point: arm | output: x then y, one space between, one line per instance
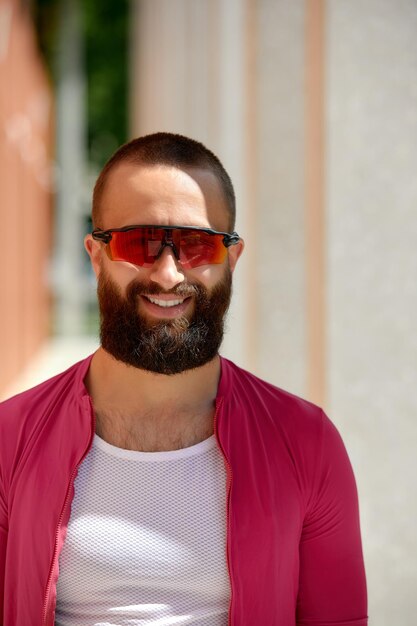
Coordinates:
332 585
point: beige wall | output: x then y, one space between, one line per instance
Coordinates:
371 172
312 106
25 137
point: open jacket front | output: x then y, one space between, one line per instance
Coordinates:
293 539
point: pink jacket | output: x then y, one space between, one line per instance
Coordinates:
293 538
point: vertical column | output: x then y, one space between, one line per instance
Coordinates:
251 153
71 138
314 200
279 210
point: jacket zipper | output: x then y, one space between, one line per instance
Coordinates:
228 491
58 529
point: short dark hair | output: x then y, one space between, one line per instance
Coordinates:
166 149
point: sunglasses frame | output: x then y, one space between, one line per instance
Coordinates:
229 239
105 236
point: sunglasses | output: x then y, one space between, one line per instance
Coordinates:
143 245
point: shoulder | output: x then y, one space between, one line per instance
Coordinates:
262 397
26 415
288 426
277 413
28 419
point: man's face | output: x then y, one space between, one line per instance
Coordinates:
136 325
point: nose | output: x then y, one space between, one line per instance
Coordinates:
165 271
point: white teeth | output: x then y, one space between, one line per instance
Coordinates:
165 303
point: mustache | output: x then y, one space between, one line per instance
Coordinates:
139 288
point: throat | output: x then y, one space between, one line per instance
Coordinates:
154 433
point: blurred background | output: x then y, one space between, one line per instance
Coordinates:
312 107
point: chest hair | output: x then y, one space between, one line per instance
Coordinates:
154 432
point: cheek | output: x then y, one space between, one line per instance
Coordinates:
122 272
207 275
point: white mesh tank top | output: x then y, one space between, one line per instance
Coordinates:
146 540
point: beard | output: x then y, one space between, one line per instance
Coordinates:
162 346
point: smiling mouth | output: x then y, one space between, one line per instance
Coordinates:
165 303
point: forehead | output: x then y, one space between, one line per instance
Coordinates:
138 194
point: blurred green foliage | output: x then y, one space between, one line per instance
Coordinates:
106 33
105 30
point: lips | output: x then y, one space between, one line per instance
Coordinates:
165 306
165 303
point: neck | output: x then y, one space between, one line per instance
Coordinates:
129 399
116 384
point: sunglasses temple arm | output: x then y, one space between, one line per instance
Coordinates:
103 236
231 240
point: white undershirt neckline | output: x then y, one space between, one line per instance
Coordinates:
149 457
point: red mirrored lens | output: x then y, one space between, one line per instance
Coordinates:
141 246
200 248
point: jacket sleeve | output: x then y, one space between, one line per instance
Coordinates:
332 584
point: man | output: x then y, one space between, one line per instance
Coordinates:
156 482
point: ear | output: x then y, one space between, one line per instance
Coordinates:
234 253
94 252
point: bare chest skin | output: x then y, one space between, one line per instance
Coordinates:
171 429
